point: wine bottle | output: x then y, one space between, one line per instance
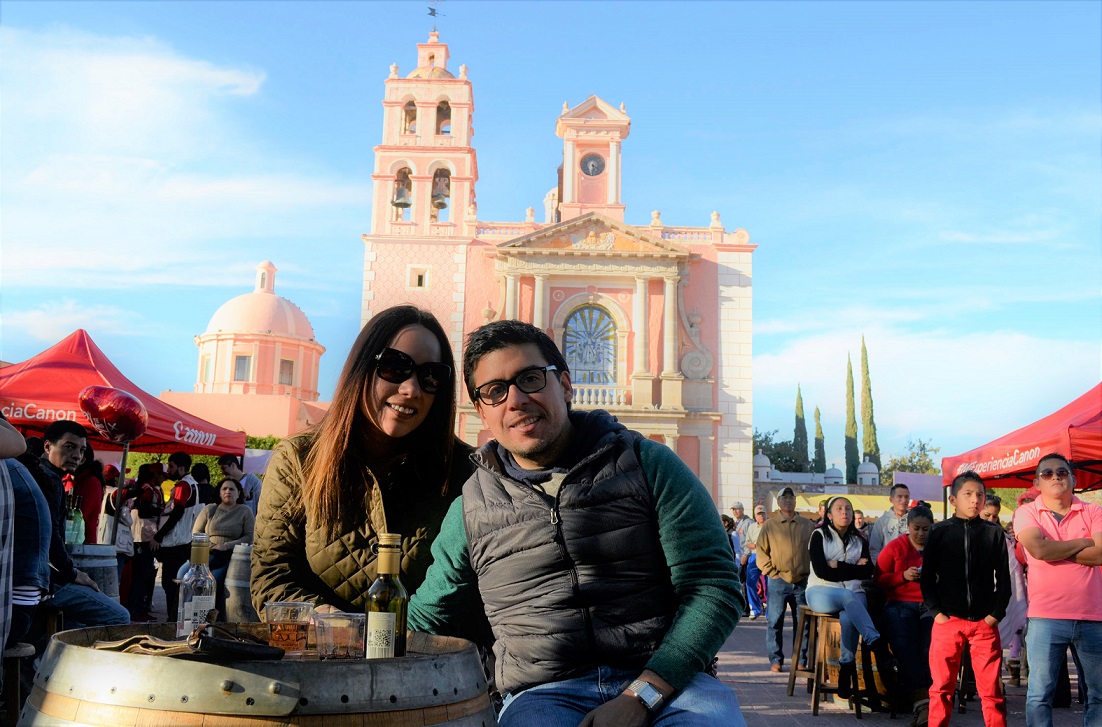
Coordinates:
387 601
197 588
78 521
70 520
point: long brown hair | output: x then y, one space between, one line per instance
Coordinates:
336 465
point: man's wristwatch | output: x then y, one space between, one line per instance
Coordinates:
650 697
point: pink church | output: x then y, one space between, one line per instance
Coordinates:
655 320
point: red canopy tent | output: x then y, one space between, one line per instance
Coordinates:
1074 431
45 388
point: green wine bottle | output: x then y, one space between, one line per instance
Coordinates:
387 601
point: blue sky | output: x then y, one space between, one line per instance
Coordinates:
926 174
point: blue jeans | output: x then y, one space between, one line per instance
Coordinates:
908 624
705 702
753 575
852 614
84 607
1047 641
779 593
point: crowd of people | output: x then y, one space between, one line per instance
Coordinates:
930 598
584 559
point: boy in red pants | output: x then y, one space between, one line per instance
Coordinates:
966 585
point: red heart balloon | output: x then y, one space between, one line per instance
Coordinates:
117 415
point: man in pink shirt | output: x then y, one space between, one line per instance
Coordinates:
1062 537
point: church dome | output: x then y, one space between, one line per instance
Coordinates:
833 472
430 72
760 460
867 468
262 311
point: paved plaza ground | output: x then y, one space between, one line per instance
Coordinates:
743 666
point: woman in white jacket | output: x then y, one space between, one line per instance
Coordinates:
839 562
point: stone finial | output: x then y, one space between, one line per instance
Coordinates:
463 71
529 215
488 314
715 220
623 110
656 218
472 212
565 107
393 70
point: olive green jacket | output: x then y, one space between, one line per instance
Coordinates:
297 559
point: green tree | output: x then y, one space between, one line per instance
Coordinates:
799 437
852 457
918 458
868 425
819 464
781 454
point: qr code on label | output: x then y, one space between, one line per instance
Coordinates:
380 639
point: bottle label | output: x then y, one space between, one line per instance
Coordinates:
194 613
380 634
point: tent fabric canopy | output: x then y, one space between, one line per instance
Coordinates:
1074 431
46 388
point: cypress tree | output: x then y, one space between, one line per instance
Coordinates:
868 425
799 437
852 458
820 462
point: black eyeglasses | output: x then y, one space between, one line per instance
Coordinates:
396 367
529 381
1061 473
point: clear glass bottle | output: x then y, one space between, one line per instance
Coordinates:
197 588
387 601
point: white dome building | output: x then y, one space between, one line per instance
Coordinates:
867 473
259 343
258 365
834 476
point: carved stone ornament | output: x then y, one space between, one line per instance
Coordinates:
393 70
463 71
696 364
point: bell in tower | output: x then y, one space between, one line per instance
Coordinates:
401 189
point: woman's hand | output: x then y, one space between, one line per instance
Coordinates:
941 618
912 574
863 561
832 563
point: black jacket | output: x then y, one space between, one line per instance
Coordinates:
965 571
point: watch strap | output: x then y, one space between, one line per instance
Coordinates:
647 695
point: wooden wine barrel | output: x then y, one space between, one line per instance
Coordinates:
440 682
239 607
99 562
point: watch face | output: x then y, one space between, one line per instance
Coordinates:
592 165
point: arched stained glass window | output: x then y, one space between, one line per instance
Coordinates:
589 344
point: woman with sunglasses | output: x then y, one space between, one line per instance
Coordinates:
383 459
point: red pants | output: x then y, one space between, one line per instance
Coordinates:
947 643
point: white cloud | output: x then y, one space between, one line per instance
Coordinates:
122 156
940 386
55 320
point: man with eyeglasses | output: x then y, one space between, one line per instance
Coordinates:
1062 537
596 554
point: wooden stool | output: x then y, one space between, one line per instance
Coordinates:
809 621
13 693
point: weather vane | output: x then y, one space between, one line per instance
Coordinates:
434 11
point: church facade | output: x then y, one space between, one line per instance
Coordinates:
655 320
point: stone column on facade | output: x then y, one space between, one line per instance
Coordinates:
510 296
672 381
568 173
671 442
706 471
539 314
642 380
614 172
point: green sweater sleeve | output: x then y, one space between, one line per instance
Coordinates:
701 567
448 602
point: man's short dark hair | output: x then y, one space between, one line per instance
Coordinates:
896 486
181 460
503 334
59 429
226 459
966 476
1054 455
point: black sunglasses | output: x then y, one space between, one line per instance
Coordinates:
396 367
1060 473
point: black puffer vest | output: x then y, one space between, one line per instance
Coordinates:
576 584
